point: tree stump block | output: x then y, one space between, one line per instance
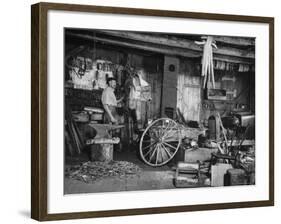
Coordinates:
102 152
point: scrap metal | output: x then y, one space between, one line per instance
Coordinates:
93 171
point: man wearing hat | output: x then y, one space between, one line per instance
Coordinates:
110 102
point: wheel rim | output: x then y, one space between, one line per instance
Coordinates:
160 142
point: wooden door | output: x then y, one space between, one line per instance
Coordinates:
189 97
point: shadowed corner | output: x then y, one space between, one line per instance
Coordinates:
25 213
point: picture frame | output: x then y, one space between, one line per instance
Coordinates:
40 102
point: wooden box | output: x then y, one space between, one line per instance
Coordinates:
236 177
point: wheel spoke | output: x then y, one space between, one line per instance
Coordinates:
153 153
148 146
157 153
149 151
161 153
166 150
164 155
149 141
169 145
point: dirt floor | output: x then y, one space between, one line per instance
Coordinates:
149 178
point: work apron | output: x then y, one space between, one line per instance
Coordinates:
107 119
116 133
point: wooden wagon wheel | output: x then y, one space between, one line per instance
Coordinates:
160 142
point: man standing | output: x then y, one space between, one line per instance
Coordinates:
110 102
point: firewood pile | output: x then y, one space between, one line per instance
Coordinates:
93 171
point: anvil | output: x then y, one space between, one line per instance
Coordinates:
102 148
104 129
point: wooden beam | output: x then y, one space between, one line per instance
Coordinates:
231 59
243 41
181 43
160 48
155 39
144 46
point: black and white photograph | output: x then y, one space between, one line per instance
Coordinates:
153 111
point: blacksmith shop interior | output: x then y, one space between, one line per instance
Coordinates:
151 111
